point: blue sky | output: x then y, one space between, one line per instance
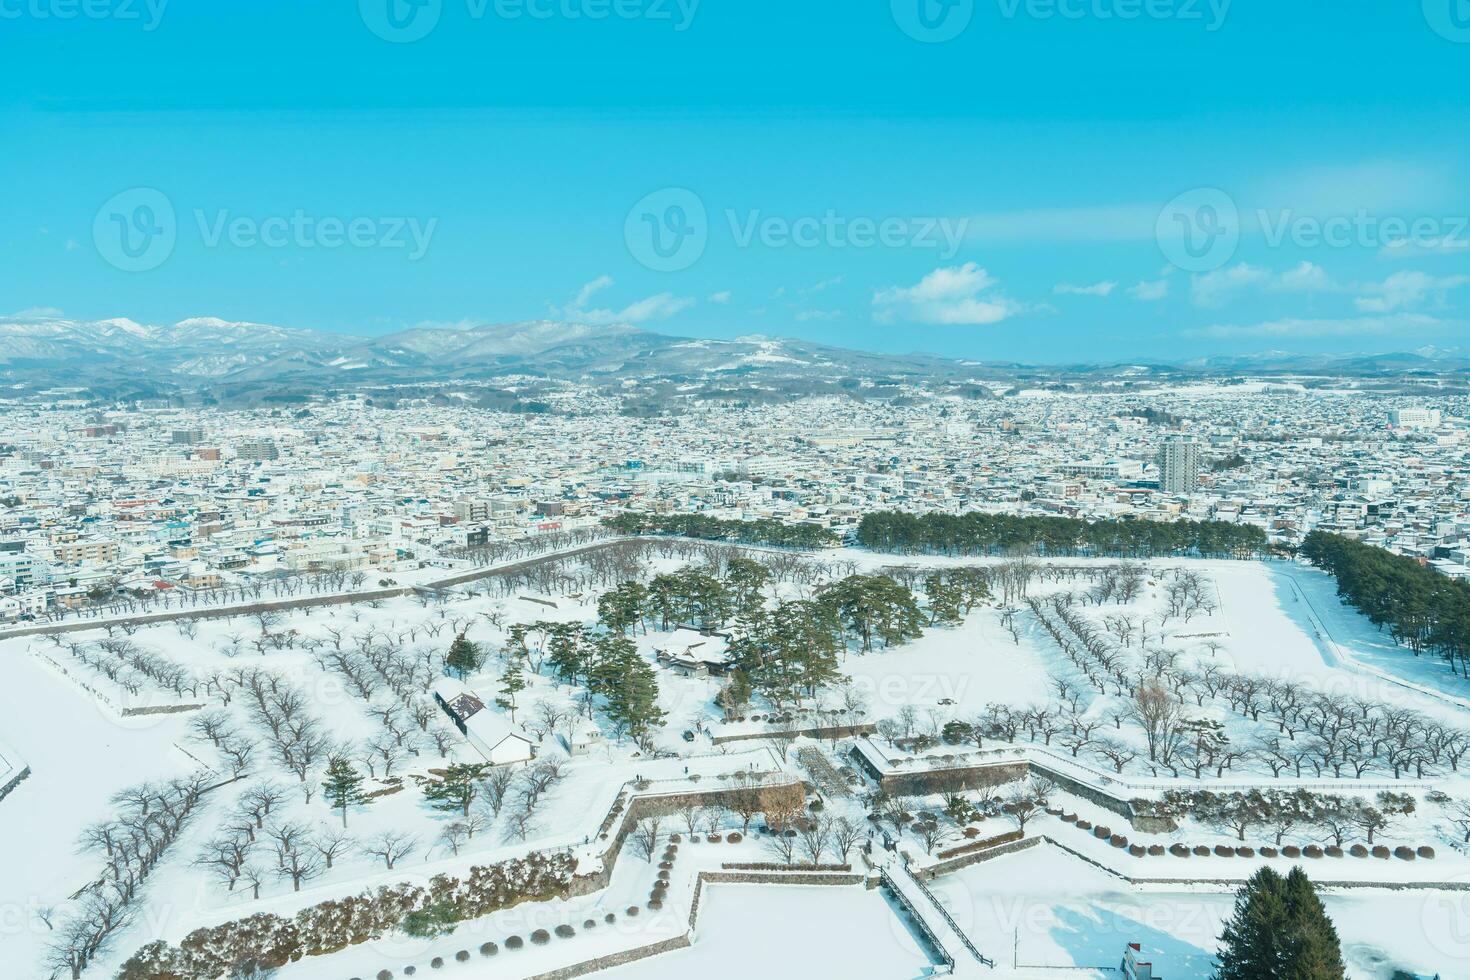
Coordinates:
1045 180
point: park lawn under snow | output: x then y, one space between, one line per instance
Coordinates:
1048 908
791 931
1271 618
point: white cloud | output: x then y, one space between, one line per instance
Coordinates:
1150 291
806 315
720 298
585 293
1344 189
659 306
1346 327
950 295
31 313
1405 290
1213 288
1096 289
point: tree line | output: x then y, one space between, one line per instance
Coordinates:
764 531
978 533
1420 608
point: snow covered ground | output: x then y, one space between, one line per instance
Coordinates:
1044 908
1274 619
792 931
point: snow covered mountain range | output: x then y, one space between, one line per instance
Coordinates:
206 351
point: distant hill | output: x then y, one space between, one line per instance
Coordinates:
205 352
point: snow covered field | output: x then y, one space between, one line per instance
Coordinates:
360 673
1043 907
791 931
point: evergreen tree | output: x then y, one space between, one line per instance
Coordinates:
875 606
463 657
453 788
1279 930
1315 953
735 695
343 787
512 682
570 651
946 599
746 578
628 687
623 608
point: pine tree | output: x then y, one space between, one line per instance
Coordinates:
463 657
512 682
735 694
1250 946
343 787
946 599
570 651
630 689
1279 930
454 788
1315 953
622 608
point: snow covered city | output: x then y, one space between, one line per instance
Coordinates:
655 489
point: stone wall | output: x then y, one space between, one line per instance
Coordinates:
616 959
965 860
922 782
14 781
829 733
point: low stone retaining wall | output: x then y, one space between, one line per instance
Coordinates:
966 860
949 867
782 877
616 959
663 805
829 733
15 780
627 956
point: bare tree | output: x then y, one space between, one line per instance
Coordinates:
392 846
646 836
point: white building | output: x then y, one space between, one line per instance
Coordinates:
493 736
694 654
1179 464
1415 418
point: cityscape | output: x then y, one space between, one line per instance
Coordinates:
539 489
